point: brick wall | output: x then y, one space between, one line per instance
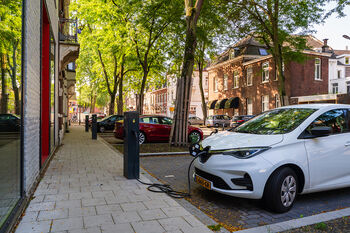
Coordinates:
31 86
300 81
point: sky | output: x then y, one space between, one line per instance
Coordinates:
334 28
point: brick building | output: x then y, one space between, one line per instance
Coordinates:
156 102
39 103
243 80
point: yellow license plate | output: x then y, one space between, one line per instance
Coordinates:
205 183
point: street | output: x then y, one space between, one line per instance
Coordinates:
236 213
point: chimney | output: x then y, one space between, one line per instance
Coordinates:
325 47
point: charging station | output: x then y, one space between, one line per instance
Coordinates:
131 145
94 127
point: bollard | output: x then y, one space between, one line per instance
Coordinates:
87 123
223 127
131 145
94 126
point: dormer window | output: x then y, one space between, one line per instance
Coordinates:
263 52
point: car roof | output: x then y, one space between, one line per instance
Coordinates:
318 106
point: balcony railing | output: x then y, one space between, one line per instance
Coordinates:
68 30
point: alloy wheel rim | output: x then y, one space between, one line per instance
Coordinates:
195 134
102 129
288 191
141 138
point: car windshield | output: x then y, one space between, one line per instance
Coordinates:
278 121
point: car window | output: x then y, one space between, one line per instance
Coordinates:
166 121
146 120
335 119
155 120
210 117
227 118
218 117
277 121
112 118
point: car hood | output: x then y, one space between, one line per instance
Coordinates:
228 140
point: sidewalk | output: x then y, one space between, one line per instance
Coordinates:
84 190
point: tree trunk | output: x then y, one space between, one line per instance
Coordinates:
120 106
112 104
204 106
141 95
4 96
14 80
182 105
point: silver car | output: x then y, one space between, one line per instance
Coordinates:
194 120
218 121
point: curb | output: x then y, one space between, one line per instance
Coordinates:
300 222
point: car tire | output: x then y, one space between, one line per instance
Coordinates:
142 138
216 125
194 134
281 190
102 129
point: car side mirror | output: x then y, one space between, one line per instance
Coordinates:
321 131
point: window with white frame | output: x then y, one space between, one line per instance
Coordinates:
236 79
277 101
264 103
347 60
215 84
317 69
339 73
225 82
348 87
249 76
335 88
249 106
265 72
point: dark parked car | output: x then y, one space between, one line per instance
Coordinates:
156 129
238 120
9 123
108 123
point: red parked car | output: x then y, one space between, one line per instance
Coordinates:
155 129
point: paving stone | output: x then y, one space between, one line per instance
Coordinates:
56 197
97 220
41 206
38 198
117 199
172 224
68 204
147 227
151 214
132 206
125 217
53 214
86 230
82 211
193 221
67 224
120 227
80 195
155 204
175 211
93 202
108 209
200 229
33 227
30 216
102 194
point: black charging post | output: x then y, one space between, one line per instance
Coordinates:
131 145
94 126
87 123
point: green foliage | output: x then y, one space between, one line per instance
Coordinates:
216 227
321 226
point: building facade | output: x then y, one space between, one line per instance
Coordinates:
196 101
34 108
339 72
243 80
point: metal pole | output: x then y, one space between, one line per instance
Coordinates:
94 127
87 123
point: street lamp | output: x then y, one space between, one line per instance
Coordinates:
346 37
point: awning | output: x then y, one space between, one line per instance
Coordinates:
211 104
232 102
220 104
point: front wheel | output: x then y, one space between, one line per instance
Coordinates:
194 137
281 190
102 129
142 138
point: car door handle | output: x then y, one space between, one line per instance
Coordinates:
347 144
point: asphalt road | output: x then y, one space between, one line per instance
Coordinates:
237 213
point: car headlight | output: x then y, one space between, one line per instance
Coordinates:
245 153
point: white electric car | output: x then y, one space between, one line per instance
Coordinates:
282 152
